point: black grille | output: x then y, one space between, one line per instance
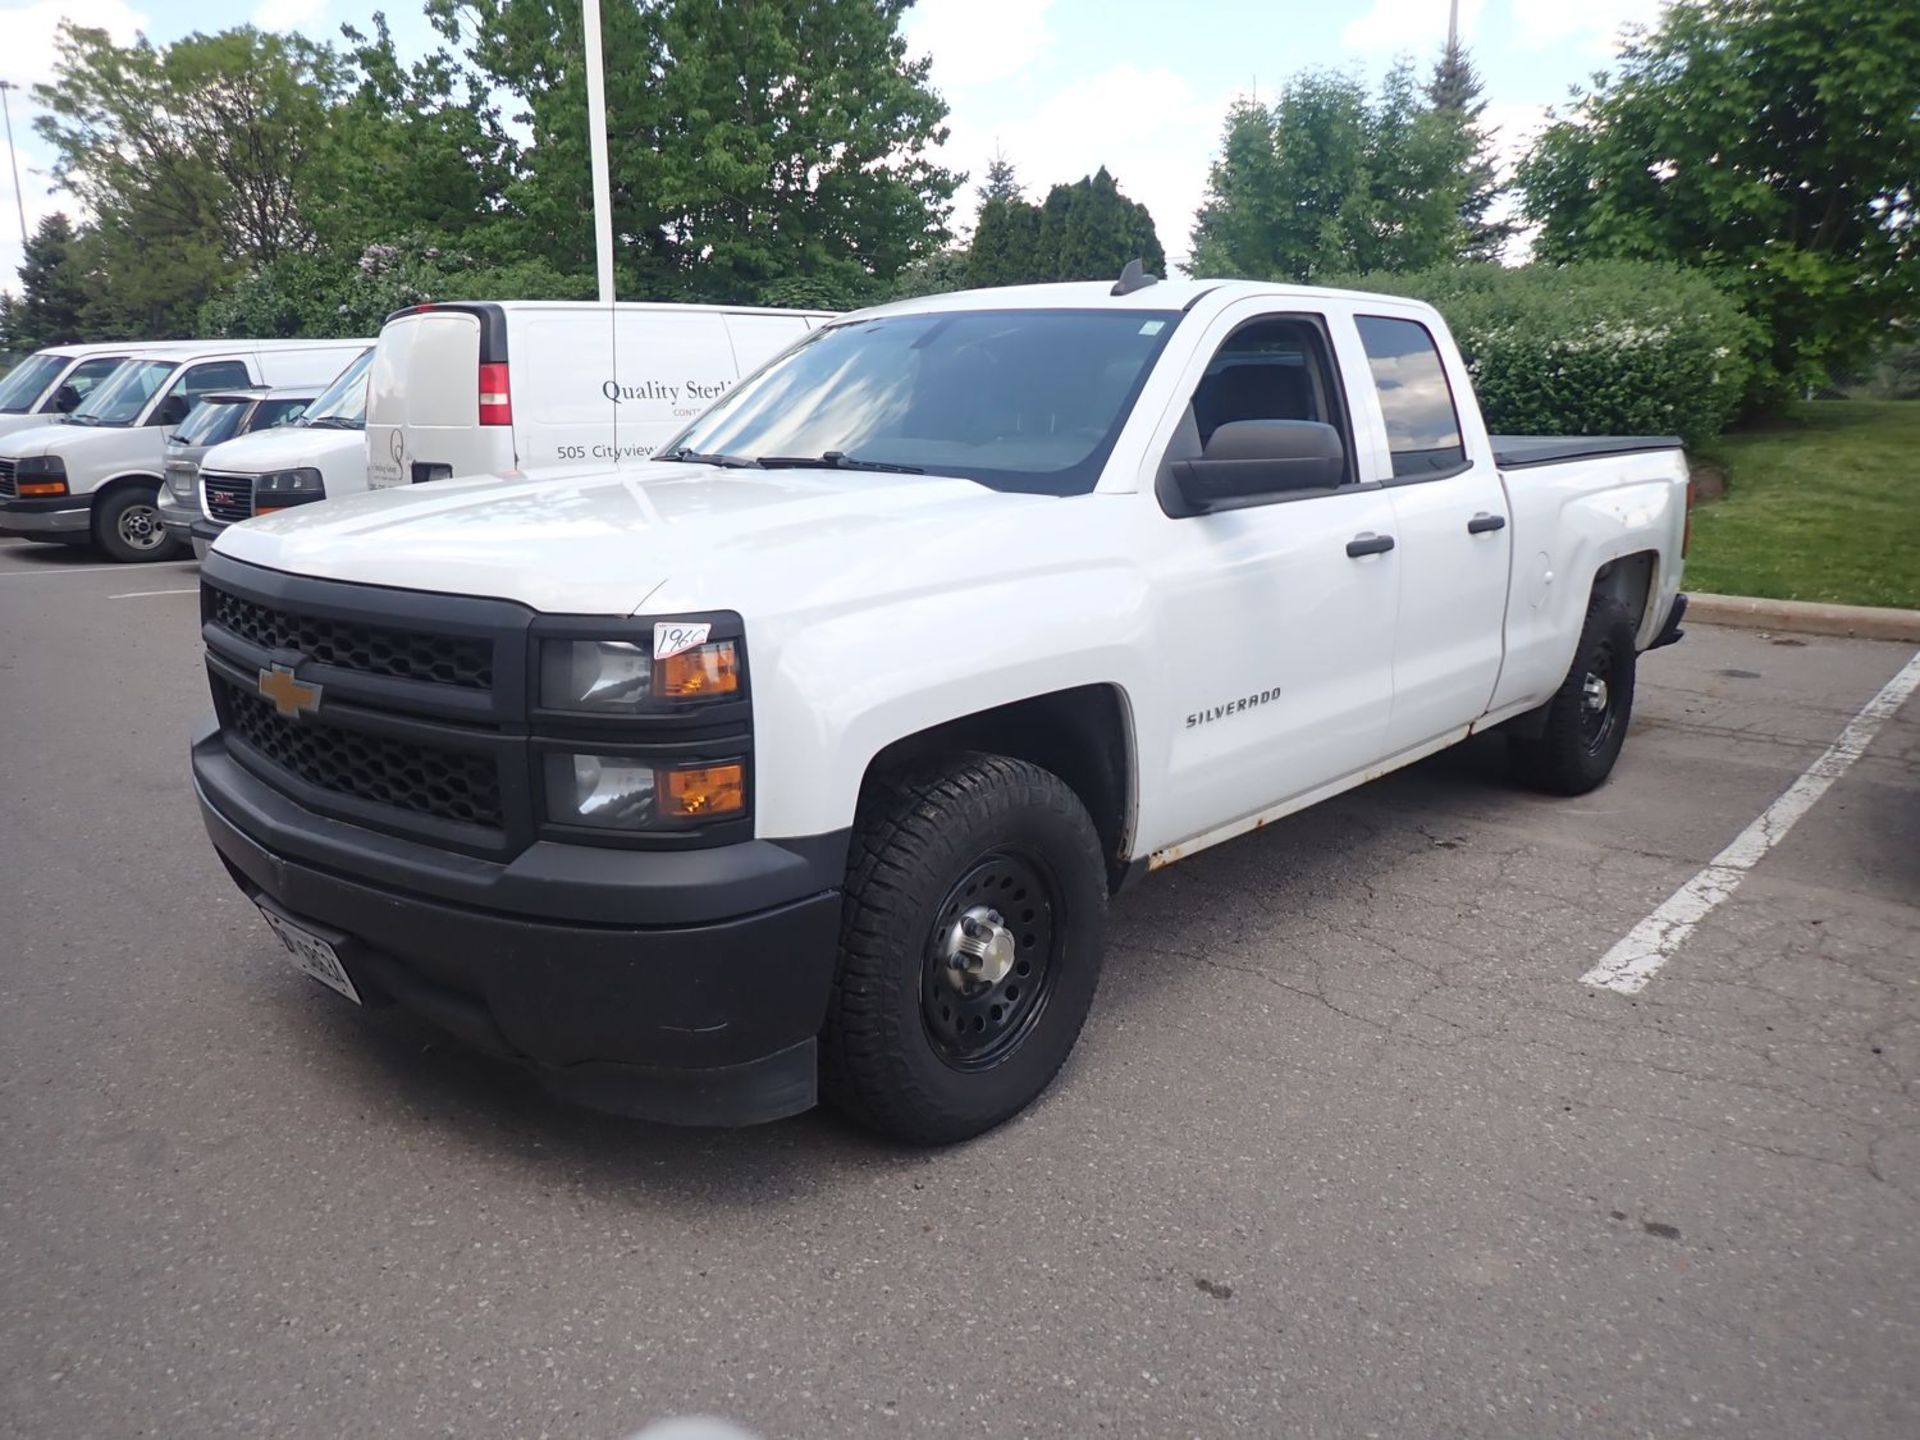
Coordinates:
370 649
229 497
6 478
447 784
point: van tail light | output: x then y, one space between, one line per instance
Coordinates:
496 400
1686 534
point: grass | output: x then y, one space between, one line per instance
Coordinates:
1823 504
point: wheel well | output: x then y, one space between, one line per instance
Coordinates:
1629 580
1082 735
124 482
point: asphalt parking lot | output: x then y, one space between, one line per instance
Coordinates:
1348 1147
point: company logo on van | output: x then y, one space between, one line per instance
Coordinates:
660 390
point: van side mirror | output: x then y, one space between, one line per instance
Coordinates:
171 411
66 400
1249 461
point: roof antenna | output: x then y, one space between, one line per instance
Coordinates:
1134 277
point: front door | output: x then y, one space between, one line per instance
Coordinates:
1281 675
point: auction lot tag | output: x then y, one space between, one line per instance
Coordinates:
310 954
671 639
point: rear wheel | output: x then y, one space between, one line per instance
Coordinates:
971 941
127 526
1586 721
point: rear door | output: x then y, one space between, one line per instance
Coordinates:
423 402
1452 531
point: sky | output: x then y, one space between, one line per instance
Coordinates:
1059 86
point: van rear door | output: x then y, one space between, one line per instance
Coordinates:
423 401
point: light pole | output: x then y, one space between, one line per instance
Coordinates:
13 157
597 147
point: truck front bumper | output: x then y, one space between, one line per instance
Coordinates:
203 532
692 995
177 515
53 518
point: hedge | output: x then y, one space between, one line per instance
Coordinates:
1613 347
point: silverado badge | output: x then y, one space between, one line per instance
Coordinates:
292 698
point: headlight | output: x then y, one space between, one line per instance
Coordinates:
620 677
620 792
286 487
39 476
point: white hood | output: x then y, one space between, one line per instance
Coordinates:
602 543
40 438
288 448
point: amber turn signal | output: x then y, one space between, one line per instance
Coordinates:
702 671
706 792
41 489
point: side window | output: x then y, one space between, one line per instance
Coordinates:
272 414
89 373
214 375
1269 370
1423 428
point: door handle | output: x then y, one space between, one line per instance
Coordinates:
1483 523
1369 545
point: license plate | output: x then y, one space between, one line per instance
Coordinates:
311 955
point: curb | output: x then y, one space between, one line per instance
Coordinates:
1861 622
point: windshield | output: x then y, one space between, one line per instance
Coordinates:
343 404
120 400
28 381
1015 399
212 421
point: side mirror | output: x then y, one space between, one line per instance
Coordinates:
1248 461
66 400
171 411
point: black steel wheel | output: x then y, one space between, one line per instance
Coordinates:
990 960
970 947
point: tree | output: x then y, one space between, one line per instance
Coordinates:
1774 143
748 143
1084 231
1454 92
1001 182
1332 181
53 288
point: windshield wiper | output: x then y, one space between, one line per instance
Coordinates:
700 457
835 460
331 422
82 420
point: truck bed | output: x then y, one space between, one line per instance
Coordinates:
1516 452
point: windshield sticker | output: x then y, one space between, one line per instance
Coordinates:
670 640
1153 327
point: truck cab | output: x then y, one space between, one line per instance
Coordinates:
803 761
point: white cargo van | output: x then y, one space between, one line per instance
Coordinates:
97 477
494 387
51 383
322 453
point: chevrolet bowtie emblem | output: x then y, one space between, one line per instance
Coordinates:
292 698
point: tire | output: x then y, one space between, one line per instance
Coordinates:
1579 742
929 847
127 527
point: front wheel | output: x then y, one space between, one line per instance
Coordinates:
1586 720
127 526
970 947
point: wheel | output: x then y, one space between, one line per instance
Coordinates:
970 945
127 526
1586 721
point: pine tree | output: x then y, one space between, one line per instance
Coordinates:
1454 93
53 290
1000 183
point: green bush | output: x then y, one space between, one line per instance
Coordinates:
1613 347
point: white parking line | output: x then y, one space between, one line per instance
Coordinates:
143 594
62 570
1629 965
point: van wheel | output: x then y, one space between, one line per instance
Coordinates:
127 526
970 946
1586 721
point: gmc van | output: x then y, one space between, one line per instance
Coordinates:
219 417
96 479
494 387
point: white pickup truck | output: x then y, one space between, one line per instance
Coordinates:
804 760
